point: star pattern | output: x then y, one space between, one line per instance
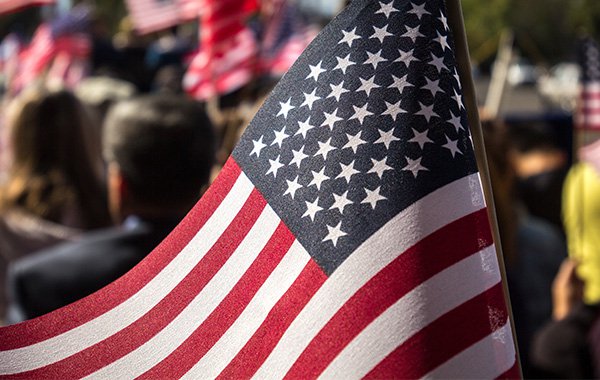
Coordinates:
383 108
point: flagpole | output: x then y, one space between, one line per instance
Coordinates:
455 19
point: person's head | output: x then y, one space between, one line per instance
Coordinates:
56 166
160 151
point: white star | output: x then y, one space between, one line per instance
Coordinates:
412 33
379 167
341 201
285 108
309 99
324 148
433 86
443 41
299 156
419 10
331 119
455 121
258 146
400 83
458 98
337 90
456 76
421 138
414 166
374 59
386 138
353 142
347 171
406 57
275 166
444 20
393 109
426 111
452 146
343 63
386 9
293 186
315 71
304 126
312 208
279 137
349 37
334 233
438 62
318 178
367 85
360 113
380 33
373 197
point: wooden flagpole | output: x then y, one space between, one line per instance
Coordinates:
456 23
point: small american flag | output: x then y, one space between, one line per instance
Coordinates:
227 56
346 237
9 6
588 109
152 15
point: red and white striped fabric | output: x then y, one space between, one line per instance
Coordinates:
232 294
587 115
228 48
34 58
9 6
152 15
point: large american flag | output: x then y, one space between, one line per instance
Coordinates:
587 115
346 237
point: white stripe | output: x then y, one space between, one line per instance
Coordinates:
422 218
592 87
223 352
114 320
175 333
440 294
591 103
486 359
587 119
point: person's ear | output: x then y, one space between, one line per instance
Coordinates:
118 192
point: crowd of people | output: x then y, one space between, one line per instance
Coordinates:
94 177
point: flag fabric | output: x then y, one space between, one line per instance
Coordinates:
286 35
9 6
152 15
346 237
60 48
587 115
228 49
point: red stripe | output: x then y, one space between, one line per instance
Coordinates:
513 373
264 340
431 255
82 311
211 330
446 337
136 334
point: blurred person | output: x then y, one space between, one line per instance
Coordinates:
53 188
160 150
533 248
541 166
568 347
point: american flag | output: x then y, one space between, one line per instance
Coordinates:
152 15
346 237
588 108
227 56
9 6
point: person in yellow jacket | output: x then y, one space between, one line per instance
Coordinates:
581 218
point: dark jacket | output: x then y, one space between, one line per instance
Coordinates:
52 278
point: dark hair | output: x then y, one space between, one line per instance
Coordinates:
56 162
164 146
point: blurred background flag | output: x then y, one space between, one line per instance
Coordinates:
9 6
228 49
587 115
347 236
152 15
